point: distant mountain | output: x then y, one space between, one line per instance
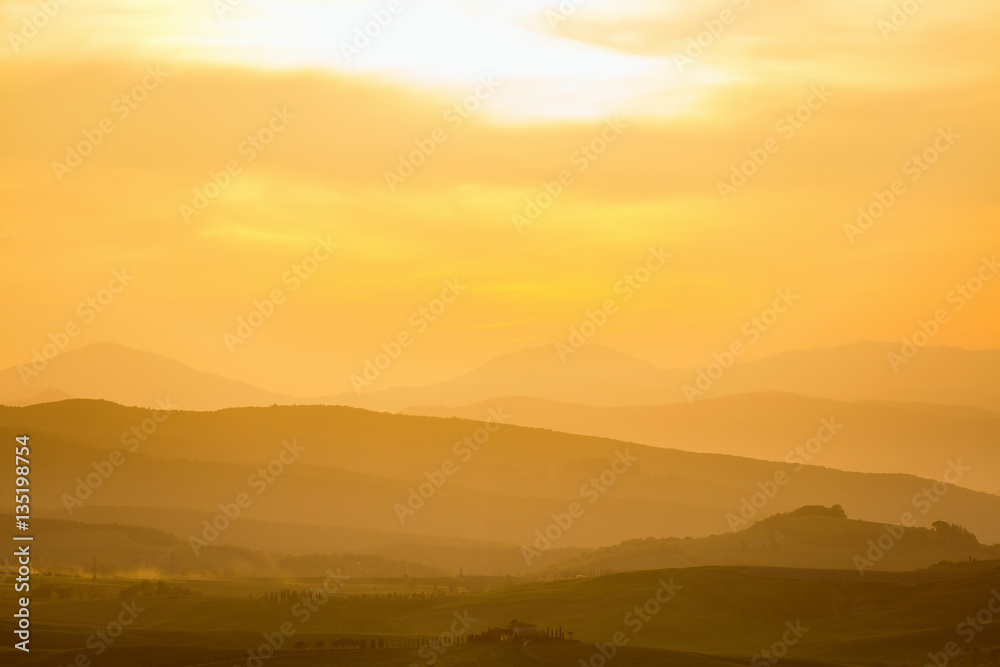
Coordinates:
600 376
357 469
129 377
882 437
862 372
595 375
49 395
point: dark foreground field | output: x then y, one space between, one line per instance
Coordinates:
708 617
459 656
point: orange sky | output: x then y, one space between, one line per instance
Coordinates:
347 115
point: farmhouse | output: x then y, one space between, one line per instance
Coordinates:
520 630
516 631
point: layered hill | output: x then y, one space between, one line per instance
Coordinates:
803 538
882 437
127 376
708 616
595 375
442 477
601 376
449 555
122 550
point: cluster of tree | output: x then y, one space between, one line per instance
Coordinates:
468 582
288 594
487 636
433 642
342 644
495 635
583 573
835 512
954 532
159 588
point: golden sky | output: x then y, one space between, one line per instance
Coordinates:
183 85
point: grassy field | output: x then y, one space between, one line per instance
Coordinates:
715 617
566 654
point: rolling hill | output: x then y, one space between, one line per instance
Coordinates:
121 550
447 554
708 616
361 469
881 437
804 538
807 538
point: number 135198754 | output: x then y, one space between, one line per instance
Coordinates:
22 487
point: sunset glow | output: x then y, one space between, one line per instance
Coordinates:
700 89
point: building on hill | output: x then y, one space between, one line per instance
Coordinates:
516 631
519 630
